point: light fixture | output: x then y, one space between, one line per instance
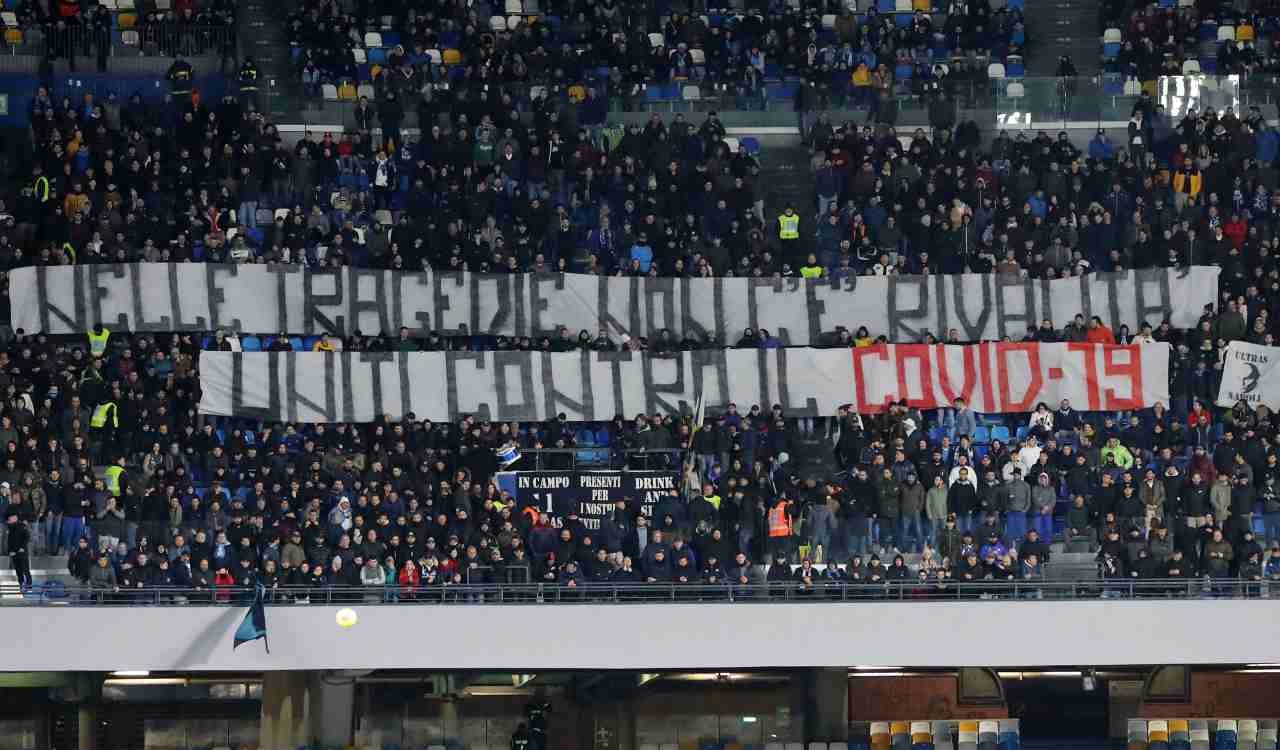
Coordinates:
749 720
131 673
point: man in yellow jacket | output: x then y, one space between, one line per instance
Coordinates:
788 232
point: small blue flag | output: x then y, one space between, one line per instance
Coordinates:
254 625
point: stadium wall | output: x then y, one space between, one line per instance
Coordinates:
649 636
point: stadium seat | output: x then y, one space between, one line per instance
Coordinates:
513 7
1199 735
691 93
829 21
372 39
1225 737
1010 735
995 71
1112 36
1136 734
988 733
1226 33
359 55
1000 432
329 92
900 735
1247 734
968 735
880 734
1191 68
250 344
982 436
130 38
497 23
12 37
451 57
347 91
434 55
657 40
1267 734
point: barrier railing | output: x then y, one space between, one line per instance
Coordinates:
635 593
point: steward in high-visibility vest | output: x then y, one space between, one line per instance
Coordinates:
103 413
111 477
98 340
789 225
779 521
40 185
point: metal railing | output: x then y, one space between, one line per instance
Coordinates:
162 39
636 593
599 457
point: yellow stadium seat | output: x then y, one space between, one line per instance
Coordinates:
968 726
1178 725
452 57
12 37
921 5
899 727
348 91
128 20
1244 33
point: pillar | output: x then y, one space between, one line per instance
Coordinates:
88 692
306 708
335 725
87 725
820 705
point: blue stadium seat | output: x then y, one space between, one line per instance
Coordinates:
309 343
390 39
886 6
1001 433
378 55
982 435
251 344
751 144
296 343
904 72
1110 50
902 20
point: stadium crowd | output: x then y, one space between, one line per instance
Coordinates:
1186 490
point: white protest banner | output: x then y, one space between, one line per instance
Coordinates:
1250 373
596 386
261 299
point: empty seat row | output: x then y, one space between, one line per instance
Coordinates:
1202 734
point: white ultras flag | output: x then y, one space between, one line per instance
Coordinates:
1250 373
